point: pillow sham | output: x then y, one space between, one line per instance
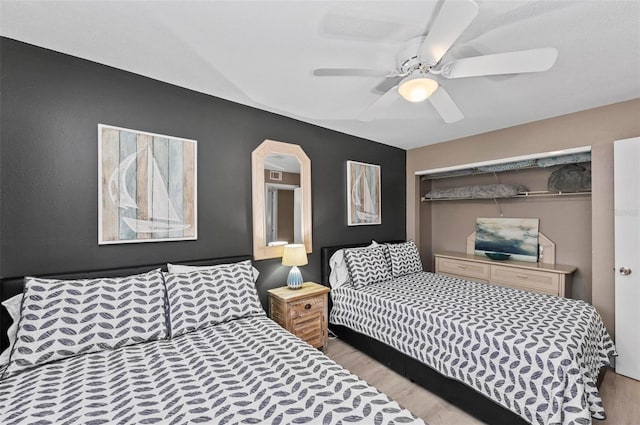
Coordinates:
404 258
339 272
63 318
181 268
207 297
367 266
13 308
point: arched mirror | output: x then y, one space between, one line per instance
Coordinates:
281 191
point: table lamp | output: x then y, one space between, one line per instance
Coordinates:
294 255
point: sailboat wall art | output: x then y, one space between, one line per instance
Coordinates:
363 194
147 189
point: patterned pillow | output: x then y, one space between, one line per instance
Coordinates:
367 266
181 268
62 318
404 258
208 297
339 272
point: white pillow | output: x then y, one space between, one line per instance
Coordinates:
339 272
181 268
13 307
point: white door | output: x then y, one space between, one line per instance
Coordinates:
627 255
271 214
297 215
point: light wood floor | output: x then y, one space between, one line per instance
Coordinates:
621 395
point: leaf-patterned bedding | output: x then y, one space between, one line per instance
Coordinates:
537 355
245 371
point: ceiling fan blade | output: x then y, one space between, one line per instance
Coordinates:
353 26
380 104
386 84
445 106
534 60
350 72
454 17
494 20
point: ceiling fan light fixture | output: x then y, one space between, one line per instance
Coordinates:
417 87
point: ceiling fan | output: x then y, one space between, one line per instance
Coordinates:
419 60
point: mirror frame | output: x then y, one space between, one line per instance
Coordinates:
268 147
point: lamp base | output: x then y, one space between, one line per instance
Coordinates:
294 279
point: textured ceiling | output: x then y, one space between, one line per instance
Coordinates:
263 54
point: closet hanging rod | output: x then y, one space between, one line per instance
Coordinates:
529 194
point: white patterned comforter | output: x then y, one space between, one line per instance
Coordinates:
246 371
537 355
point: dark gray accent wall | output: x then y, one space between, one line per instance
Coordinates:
51 105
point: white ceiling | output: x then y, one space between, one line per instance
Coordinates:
281 162
263 53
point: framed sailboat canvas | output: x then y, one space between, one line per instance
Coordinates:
363 194
147 187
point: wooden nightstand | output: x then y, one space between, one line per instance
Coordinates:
303 312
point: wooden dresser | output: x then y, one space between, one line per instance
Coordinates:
551 279
303 312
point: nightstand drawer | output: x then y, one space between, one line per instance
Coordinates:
306 307
531 280
465 269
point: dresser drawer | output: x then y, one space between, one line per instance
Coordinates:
532 280
465 269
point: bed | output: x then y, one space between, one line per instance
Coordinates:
203 351
533 358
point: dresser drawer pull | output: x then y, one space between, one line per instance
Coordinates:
521 276
462 267
307 306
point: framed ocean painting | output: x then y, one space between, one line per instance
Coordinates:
515 237
363 194
147 187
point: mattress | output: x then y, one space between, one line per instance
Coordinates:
537 355
245 371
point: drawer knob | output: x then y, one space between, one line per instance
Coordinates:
307 306
625 271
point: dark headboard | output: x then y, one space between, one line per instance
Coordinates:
327 251
14 285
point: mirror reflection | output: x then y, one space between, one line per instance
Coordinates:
283 200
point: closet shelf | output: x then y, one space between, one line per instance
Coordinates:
528 194
550 159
